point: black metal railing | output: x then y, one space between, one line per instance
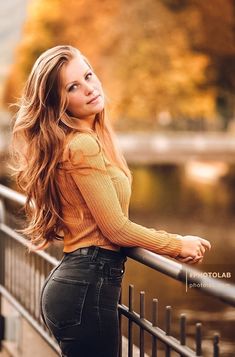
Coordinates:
22 276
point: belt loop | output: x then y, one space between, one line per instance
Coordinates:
95 253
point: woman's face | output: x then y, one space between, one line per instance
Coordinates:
83 89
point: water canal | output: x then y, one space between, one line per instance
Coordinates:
198 199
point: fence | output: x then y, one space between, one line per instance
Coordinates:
22 276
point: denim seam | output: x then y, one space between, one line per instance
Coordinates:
98 302
94 254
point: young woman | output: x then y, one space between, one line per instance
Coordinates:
78 188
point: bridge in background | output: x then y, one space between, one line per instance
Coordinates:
163 148
177 147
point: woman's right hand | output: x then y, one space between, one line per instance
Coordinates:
193 249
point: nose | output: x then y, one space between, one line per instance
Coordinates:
88 88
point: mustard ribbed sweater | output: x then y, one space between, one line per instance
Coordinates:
95 198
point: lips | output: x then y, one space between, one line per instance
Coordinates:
93 99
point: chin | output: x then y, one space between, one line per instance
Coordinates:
98 109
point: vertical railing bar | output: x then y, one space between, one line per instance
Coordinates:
168 329
24 275
142 316
42 280
11 265
2 263
8 264
7 277
31 263
198 339
36 312
16 269
48 269
130 323
120 328
29 280
26 282
154 324
39 285
32 283
216 351
182 330
35 280
2 211
27 285
20 274
36 286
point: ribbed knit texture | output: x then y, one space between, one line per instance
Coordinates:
95 198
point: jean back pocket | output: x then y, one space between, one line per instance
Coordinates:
63 301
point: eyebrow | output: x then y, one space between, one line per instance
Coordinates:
89 69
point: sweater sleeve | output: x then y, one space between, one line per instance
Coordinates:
96 186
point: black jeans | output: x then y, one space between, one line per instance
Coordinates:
79 302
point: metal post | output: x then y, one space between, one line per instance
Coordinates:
154 323
198 339
142 316
216 345
2 270
168 328
130 325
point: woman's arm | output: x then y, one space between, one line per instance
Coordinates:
96 187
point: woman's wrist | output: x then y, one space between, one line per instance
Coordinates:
180 238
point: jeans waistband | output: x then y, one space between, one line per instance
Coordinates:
96 252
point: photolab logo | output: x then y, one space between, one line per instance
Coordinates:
205 279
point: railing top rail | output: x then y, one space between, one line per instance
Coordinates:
185 274
178 271
25 242
6 192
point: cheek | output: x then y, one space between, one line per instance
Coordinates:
100 88
75 101
97 83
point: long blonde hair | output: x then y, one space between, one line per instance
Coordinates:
40 129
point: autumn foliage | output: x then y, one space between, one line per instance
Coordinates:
153 56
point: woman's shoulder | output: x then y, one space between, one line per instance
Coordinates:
86 142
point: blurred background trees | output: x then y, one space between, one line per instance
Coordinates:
161 62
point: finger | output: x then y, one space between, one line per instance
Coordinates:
202 250
205 243
197 254
198 257
185 260
198 261
194 261
191 260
